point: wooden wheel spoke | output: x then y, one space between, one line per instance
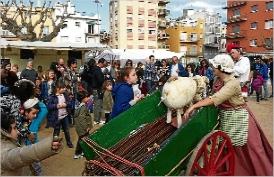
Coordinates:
224 159
205 158
212 156
220 152
200 170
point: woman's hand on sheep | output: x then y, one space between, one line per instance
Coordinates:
188 112
172 78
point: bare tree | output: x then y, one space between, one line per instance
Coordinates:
18 19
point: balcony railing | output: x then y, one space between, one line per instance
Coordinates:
151 12
163 36
163 46
162 24
236 18
192 53
189 40
235 4
163 2
141 37
151 24
235 35
163 12
152 37
129 10
130 36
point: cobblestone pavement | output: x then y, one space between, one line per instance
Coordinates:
63 164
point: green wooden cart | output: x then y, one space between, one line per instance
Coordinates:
196 148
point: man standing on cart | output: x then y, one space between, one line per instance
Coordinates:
253 153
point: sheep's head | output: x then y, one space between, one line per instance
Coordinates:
202 82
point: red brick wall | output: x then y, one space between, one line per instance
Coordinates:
260 33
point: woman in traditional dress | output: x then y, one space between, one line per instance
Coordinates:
253 153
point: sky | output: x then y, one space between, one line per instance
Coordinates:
175 7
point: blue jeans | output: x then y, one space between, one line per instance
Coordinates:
65 126
265 89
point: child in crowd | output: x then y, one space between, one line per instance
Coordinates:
123 93
83 121
16 159
257 83
35 112
107 99
58 107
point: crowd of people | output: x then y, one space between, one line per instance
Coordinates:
98 92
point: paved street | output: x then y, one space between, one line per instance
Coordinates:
56 165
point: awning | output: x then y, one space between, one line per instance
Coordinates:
50 45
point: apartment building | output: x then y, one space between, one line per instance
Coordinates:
250 25
186 36
87 27
134 24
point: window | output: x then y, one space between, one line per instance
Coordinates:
269 5
193 37
77 24
236 29
253 42
46 30
183 36
129 10
268 42
254 8
268 24
129 30
78 39
151 31
64 38
236 12
253 25
91 29
65 24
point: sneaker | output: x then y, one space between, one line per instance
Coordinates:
102 122
70 145
77 156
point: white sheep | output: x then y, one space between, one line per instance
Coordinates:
180 92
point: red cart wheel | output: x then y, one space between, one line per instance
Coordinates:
214 156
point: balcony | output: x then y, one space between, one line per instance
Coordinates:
163 12
235 35
163 46
151 24
130 36
192 53
189 40
141 23
141 36
163 36
152 37
129 10
162 24
141 11
151 12
236 18
235 4
163 2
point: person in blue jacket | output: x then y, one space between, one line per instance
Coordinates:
123 92
264 72
177 69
